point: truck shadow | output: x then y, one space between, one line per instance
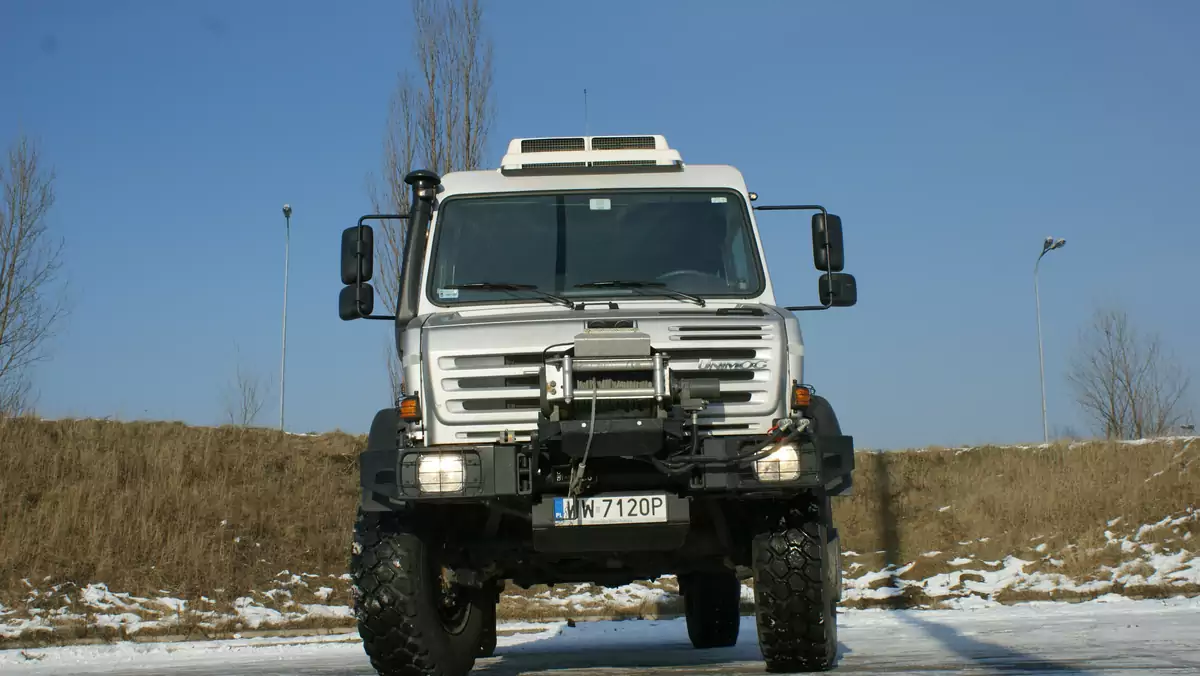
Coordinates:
640 646
989 656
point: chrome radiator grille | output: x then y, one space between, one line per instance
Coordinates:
480 396
750 355
489 393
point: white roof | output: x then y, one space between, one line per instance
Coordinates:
689 176
591 162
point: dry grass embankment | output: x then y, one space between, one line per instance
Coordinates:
105 525
1077 519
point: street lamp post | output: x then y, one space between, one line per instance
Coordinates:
1047 246
287 236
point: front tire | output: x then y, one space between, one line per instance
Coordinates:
409 620
487 638
794 594
712 606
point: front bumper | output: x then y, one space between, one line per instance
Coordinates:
490 471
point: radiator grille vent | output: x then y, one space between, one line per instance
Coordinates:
554 165
482 397
550 145
721 332
623 143
624 163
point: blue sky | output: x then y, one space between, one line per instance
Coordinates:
951 138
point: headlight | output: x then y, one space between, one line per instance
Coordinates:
783 464
441 473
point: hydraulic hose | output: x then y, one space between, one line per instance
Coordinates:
673 467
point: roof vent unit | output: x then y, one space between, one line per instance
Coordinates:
574 153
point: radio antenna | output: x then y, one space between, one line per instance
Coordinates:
585 113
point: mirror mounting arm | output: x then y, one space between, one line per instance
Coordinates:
804 207
793 207
358 284
806 308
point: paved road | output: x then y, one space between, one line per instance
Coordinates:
1109 639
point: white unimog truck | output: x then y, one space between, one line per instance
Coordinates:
598 386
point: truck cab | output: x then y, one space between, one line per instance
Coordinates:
599 385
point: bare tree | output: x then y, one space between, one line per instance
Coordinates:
1127 383
1065 433
246 397
30 259
438 119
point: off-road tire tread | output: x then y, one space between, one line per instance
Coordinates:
387 565
712 606
487 641
797 627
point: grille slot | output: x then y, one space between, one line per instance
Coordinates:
554 165
720 332
723 336
723 376
489 382
624 163
508 404
486 361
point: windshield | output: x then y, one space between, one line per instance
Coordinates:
593 245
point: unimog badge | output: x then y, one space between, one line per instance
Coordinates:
724 365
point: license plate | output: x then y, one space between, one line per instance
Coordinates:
610 509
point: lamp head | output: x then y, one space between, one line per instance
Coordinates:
287 211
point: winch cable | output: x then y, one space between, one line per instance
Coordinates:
578 471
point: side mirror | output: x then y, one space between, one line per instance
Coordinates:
358 253
357 298
837 289
356 301
828 254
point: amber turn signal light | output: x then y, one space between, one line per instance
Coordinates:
801 396
410 409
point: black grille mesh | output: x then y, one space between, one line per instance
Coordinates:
622 163
554 165
623 143
550 145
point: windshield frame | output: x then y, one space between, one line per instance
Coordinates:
758 272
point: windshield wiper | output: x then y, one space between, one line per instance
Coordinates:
641 287
506 286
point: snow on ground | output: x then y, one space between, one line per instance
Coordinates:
1076 443
95 606
582 598
1165 566
1117 635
